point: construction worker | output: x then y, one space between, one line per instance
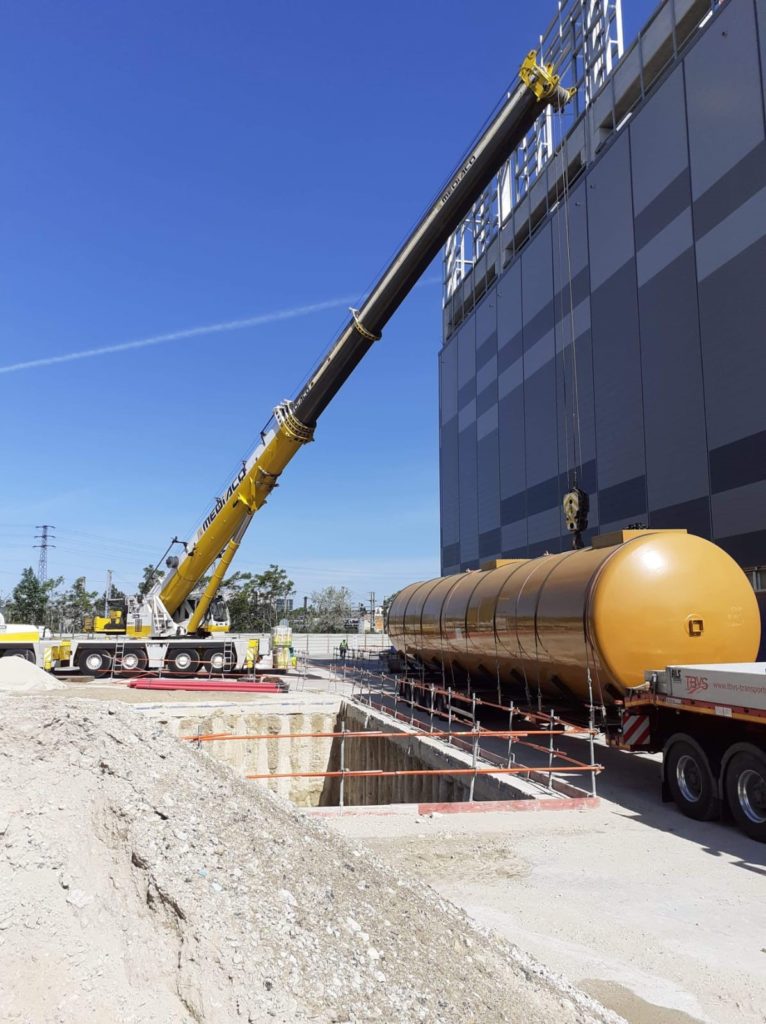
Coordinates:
343 648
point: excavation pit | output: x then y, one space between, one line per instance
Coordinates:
328 753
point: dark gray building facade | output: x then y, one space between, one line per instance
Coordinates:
621 338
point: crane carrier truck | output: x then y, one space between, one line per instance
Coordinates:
177 626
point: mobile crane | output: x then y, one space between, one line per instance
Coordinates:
172 629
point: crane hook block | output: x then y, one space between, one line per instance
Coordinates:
369 335
576 507
291 425
540 78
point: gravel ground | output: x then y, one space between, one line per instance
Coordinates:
141 882
659 917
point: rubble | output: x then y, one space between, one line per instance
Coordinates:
141 881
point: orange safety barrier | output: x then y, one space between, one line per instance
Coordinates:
371 734
456 695
517 770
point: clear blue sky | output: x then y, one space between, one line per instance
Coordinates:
176 164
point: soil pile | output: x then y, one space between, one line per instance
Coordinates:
142 882
21 676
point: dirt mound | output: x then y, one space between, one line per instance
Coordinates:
21 676
142 882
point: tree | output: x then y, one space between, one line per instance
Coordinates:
31 598
331 608
150 577
255 599
69 608
117 597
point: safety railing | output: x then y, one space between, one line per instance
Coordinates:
529 732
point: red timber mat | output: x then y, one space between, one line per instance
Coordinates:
201 685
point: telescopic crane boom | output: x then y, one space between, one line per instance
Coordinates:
294 421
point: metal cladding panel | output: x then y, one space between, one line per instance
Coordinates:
575 404
537 285
488 479
512 442
514 539
540 430
724 95
509 312
486 320
469 494
448 381
450 483
660 127
732 305
610 213
674 409
466 355
760 14
569 232
617 379
576 432
545 527
740 510
693 515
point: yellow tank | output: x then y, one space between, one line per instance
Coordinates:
636 600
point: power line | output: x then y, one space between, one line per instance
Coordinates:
46 539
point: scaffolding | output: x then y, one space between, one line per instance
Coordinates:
609 79
527 748
584 41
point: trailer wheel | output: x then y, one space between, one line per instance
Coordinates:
95 661
691 781
746 792
181 661
133 660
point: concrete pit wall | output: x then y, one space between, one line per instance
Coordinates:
273 756
324 714
412 752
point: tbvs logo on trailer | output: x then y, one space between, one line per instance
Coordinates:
695 683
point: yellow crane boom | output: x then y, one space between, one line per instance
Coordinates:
293 423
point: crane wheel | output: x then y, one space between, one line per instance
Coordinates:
26 653
690 780
215 660
133 660
181 661
746 792
95 661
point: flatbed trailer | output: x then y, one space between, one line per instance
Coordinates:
709 724
707 721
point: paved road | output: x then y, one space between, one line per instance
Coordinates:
659 916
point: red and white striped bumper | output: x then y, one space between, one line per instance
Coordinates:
636 731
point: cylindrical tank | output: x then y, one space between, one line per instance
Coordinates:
632 602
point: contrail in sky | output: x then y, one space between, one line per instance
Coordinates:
192 332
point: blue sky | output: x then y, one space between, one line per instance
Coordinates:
176 164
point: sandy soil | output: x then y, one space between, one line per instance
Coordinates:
141 882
